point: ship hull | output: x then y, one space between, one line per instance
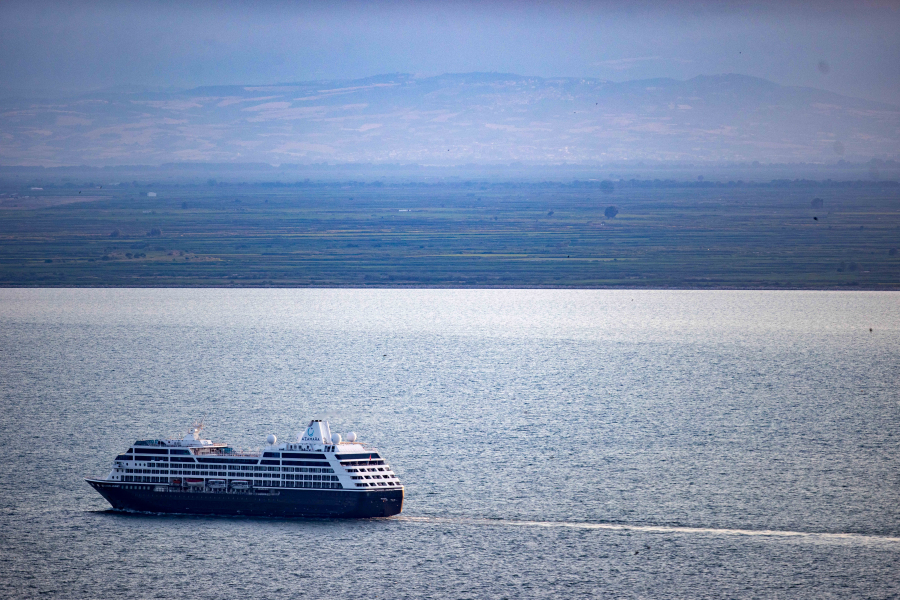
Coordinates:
267 502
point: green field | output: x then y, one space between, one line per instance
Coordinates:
453 235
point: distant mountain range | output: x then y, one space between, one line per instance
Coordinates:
483 118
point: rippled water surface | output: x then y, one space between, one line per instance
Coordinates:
552 443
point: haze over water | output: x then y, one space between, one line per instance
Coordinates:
552 443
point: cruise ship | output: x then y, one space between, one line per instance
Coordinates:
318 476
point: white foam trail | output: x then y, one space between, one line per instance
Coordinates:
813 537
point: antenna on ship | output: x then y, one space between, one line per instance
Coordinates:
195 429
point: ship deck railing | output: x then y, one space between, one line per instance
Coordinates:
213 452
209 451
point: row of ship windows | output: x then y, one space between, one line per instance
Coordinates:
309 484
264 475
290 477
367 470
241 468
374 477
312 477
144 460
263 468
286 484
354 463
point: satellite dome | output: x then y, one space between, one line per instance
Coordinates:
271 439
335 438
351 437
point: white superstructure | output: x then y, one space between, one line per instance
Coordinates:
318 459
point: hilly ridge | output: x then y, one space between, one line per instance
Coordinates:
452 119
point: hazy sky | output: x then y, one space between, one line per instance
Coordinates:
852 47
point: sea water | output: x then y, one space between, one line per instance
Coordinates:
652 444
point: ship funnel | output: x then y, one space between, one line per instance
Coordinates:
317 432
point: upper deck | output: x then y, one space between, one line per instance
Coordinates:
316 438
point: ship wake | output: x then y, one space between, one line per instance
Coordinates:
813 537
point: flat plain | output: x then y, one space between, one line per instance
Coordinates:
691 235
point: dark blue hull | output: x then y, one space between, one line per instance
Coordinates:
278 502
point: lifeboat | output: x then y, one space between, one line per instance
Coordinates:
192 482
240 484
